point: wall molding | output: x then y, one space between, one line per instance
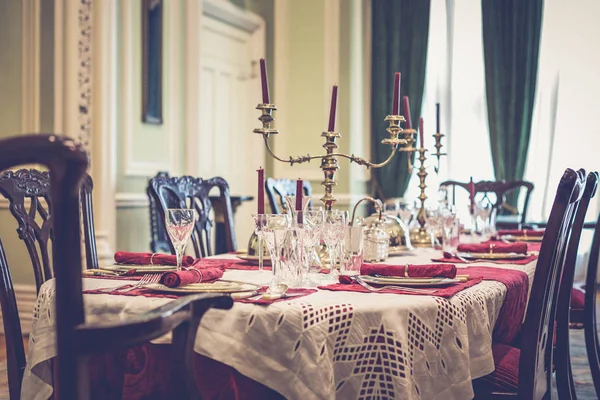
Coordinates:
26 296
30 80
227 12
132 166
131 200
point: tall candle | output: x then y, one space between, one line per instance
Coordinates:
406 111
331 126
261 190
299 194
421 132
472 194
396 99
437 117
264 82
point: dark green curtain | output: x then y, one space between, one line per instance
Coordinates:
399 44
511 43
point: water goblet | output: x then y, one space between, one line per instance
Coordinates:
312 231
180 224
333 233
274 232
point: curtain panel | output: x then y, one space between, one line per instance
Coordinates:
511 43
400 30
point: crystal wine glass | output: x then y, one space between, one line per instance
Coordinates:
260 221
312 232
333 233
180 224
274 233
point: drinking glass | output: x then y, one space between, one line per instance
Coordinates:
274 234
260 221
405 212
180 224
333 233
353 250
451 233
312 232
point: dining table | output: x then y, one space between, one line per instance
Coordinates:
325 345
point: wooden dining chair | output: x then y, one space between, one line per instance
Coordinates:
28 193
75 339
278 189
495 192
166 192
567 309
525 372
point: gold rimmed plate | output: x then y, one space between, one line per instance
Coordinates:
493 256
140 269
220 286
411 282
253 259
511 238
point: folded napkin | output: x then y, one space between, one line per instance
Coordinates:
191 275
496 247
410 270
522 232
127 257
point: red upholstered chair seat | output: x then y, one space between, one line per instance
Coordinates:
577 298
576 312
505 377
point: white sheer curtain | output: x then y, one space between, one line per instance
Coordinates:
455 78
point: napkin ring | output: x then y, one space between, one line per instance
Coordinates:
406 271
491 248
152 258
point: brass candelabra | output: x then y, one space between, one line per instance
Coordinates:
399 139
419 236
438 154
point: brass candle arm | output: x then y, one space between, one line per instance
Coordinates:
438 154
398 141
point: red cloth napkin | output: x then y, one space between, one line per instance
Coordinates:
127 257
348 285
493 247
521 232
191 275
414 271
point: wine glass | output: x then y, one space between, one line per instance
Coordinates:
405 212
312 232
180 224
333 233
274 234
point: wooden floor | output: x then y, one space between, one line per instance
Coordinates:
581 372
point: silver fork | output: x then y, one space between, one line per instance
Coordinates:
364 284
146 280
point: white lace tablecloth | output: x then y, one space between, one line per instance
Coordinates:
327 345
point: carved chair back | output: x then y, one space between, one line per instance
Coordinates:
67 163
278 189
562 357
535 366
495 192
592 343
188 192
28 193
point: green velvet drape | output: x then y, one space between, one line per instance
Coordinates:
511 43
400 29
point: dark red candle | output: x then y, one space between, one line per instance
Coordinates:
437 117
472 194
331 126
261 190
406 111
264 82
396 99
299 195
421 132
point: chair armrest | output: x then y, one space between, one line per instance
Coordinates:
102 337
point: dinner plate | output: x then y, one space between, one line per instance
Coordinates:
220 286
253 259
401 281
512 238
140 269
492 256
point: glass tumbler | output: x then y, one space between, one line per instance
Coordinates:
353 250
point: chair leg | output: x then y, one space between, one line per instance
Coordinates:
564 374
